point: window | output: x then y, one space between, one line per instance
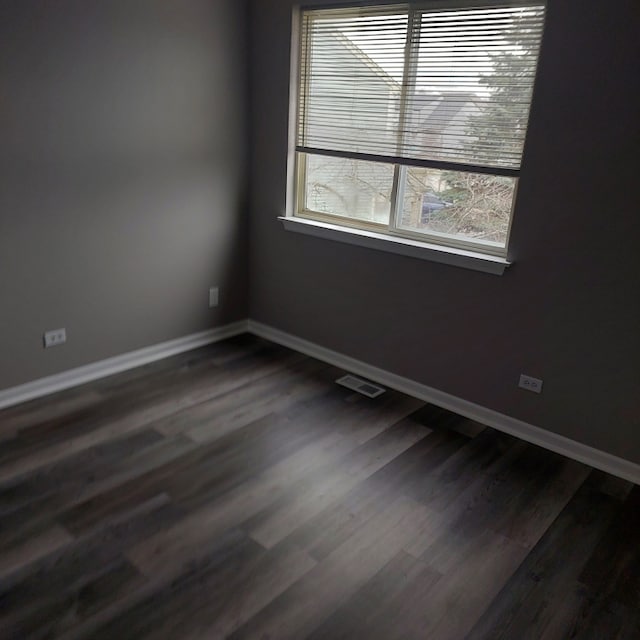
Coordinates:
411 120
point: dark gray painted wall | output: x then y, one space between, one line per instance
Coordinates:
122 175
568 311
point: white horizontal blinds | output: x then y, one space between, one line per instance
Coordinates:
466 94
471 94
351 80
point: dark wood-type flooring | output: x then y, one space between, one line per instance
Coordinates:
236 491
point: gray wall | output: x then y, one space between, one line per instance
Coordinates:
568 311
122 175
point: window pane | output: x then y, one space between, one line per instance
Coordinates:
469 100
351 78
350 188
467 206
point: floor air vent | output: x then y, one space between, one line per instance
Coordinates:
361 386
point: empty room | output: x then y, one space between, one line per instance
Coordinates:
319 320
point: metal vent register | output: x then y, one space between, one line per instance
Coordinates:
361 386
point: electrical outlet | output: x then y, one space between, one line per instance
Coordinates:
530 384
55 338
213 297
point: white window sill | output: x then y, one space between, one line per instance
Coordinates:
401 246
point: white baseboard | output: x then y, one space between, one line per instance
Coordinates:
117 364
570 448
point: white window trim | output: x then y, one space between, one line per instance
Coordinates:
448 254
475 261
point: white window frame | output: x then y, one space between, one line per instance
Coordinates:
443 248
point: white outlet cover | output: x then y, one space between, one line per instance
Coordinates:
54 338
530 384
213 297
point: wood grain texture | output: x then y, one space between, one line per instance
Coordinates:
236 492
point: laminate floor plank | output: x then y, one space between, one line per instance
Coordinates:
449 609
76 471
77 560
334 524
55 614
439 483
437 418
37 545
491 504
607 592
236 491
332 483
67 497
135 412
251 588
302 607
236 506
133 389
221 465
372 610
163 606
537 595
334 440
43 410
615 562
269 394
127 385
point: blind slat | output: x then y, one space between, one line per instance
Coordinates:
466 99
